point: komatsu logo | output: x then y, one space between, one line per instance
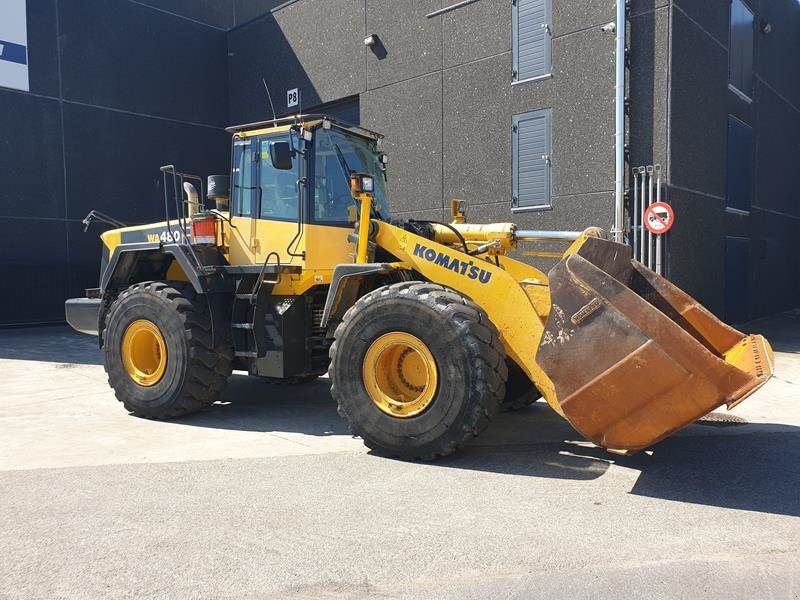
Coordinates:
466 268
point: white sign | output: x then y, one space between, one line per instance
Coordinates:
13 45
292 98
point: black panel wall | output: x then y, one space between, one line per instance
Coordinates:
740 262
118 88
122 86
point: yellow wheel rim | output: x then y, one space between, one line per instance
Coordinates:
144 352
400 374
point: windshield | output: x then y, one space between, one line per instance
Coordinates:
331 189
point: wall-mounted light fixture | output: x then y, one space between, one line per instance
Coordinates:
766 27
371 40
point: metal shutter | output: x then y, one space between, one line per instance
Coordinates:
740 164
531 157
742 35
531 31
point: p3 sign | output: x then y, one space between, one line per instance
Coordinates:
659 218
292 97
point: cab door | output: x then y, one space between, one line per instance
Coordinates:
265 207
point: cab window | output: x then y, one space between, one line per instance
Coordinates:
331 189
279 189
243 177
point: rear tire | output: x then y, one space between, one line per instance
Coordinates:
466 352
195 373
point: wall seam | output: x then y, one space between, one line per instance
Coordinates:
184 17
111 108
63 141
696 192
59 219
777 93
700 27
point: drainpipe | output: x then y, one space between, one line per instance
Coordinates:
619 198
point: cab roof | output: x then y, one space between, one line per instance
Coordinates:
306 120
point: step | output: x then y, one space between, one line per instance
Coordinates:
241 326
243 296
245 354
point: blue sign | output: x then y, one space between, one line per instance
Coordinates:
16 53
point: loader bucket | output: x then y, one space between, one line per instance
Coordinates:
632 357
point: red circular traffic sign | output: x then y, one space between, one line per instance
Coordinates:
659 218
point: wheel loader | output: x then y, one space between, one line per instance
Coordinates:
292 267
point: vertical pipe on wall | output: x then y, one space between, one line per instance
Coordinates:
660 238
642 230
650 201
635 219
619 198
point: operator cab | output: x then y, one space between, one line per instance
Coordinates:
314 142
291 176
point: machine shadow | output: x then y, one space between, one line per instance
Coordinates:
252 404
753 468
51 343
756 471
730 465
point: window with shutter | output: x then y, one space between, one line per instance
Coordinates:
531 134
740 164
532 39
742 40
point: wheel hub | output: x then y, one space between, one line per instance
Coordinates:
400 374
144 352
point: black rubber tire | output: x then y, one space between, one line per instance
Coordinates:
520 391
196 373
470 359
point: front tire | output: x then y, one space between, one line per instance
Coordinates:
158 351
417 369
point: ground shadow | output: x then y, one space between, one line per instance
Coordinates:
758 470
725 463
744 466
755 468
252 404
52 343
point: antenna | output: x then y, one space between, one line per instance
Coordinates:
272 106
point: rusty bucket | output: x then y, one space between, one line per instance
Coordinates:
633 358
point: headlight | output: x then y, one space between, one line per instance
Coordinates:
360 183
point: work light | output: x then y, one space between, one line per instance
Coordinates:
360 183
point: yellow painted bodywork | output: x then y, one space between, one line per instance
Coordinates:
504 297
249 241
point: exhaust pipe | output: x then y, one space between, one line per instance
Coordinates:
193 199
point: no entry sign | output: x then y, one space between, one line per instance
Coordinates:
658 218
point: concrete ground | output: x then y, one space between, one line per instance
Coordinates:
266 496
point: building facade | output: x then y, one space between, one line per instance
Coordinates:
506 104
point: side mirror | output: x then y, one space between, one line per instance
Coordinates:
281 155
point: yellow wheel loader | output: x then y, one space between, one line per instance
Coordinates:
295 268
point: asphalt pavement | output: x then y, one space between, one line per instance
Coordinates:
265 495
